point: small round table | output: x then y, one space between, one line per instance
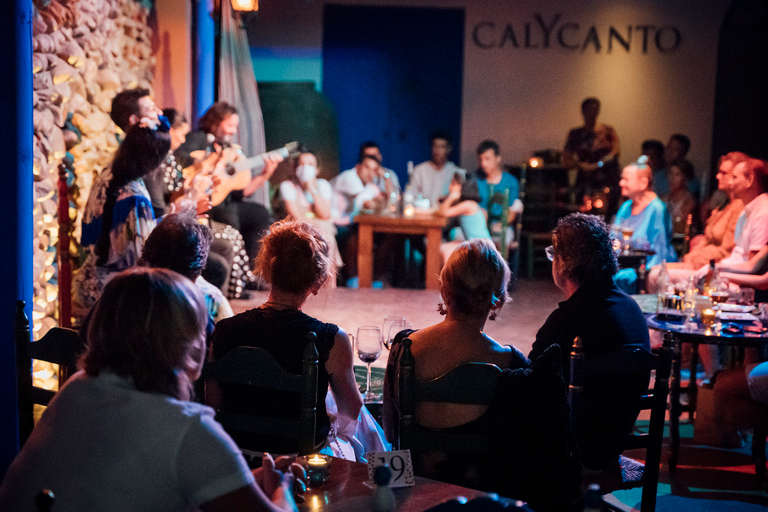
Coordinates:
699 335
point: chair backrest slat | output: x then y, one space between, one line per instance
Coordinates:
256 368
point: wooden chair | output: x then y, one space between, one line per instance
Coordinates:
540 206
498 220
583 370
256 368
60 346
682 241
468 383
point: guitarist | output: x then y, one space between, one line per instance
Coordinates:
217 127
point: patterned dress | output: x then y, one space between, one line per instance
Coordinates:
132 221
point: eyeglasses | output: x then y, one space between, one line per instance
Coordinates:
550 253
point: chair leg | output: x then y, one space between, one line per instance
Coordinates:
758 452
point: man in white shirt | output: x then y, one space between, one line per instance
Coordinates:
370 148
432 178
355 190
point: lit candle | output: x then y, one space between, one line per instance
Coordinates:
708 317
317 469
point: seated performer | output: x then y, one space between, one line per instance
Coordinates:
432 179
355 190
492 178
305 197
121 434
463 203
647 216
295 259
217 127
118 216
228 267
606 319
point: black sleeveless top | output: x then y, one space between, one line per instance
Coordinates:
282 333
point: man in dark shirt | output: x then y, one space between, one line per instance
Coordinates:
606 319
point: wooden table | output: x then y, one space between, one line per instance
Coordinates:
697 336
347 490
429 226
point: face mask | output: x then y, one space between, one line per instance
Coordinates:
306 173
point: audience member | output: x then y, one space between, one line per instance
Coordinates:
474 288
296 260
308 198
606 319
755 277
717 242
462 202
432 178
370 148
677 150
749 185
593 149
355 190
181 244
121 433
647 216
118 215
680 202
492 178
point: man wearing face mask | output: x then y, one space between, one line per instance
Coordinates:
306 197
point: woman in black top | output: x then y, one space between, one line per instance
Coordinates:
295 259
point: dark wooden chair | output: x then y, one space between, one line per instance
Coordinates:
59 346
633 473
498 220
468 383
257 369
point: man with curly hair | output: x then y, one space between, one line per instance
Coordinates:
606 319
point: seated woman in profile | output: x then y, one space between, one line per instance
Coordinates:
463 202
680 202
307 198
122 435
295 259
474 288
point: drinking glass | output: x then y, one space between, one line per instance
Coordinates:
368 344
626 233
392 326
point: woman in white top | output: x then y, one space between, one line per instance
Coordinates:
307 198
121 435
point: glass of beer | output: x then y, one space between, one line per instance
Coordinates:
626 234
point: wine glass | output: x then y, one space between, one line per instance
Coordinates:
368 344
392 326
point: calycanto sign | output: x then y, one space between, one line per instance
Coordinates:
554 32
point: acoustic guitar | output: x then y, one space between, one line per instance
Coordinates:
236 171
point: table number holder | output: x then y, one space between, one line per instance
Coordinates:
399 462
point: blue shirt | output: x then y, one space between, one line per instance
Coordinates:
652 224
507 182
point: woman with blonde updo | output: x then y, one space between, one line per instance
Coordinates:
474 288
295 259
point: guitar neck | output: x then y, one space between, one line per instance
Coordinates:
256 163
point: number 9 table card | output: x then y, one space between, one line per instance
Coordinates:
399 462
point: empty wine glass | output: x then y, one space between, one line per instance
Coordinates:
392 326
368 344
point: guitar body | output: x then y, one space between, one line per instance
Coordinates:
235 170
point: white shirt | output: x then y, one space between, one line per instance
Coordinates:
433 183
751 230
290 192
101 445
349 194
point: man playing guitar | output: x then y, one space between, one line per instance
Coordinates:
217 126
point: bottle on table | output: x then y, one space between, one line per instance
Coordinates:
593 499
663 284
706 285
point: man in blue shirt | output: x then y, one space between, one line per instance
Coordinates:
492 178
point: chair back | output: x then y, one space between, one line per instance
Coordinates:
59 346
467 383
585 372
62 250
256 368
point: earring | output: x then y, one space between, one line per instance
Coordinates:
493 315
441 308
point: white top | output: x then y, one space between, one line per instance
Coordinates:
433 183
751 230
290 192
103 446
349 194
